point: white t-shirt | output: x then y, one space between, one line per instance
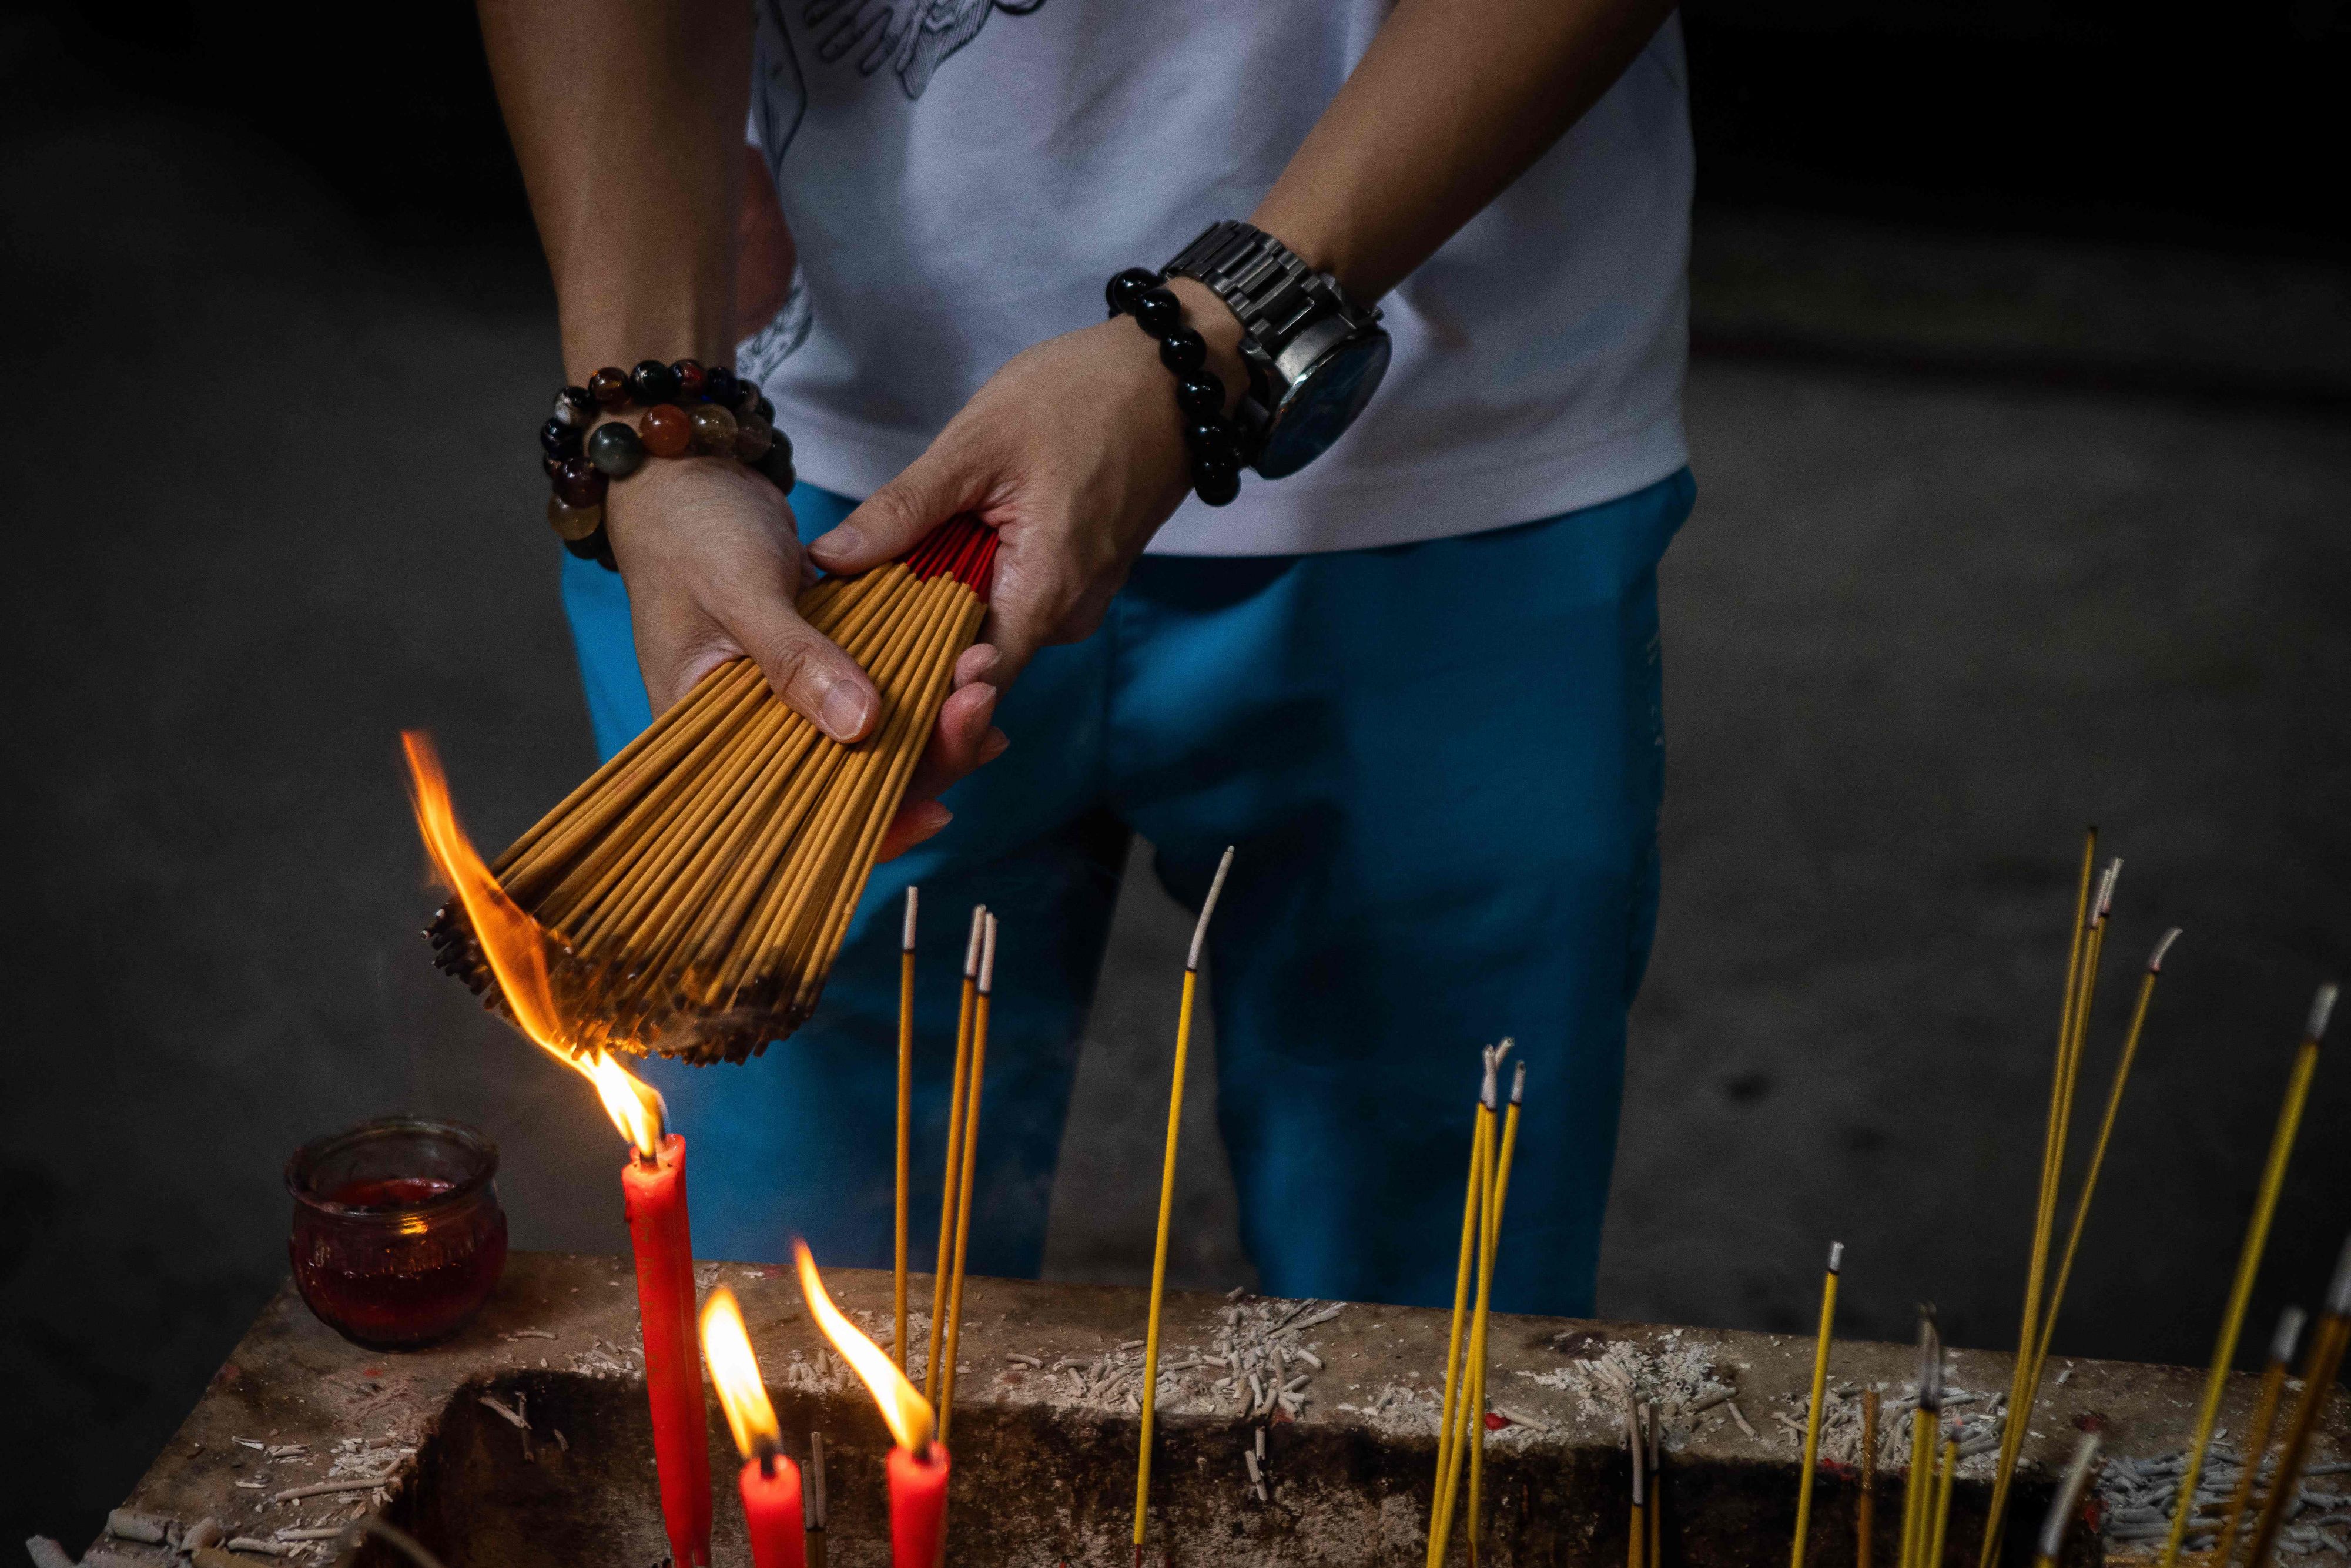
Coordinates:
961 176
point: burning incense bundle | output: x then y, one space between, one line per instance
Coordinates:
697 887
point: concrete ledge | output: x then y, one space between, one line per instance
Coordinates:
1044 1430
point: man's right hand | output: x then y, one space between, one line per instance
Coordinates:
712 561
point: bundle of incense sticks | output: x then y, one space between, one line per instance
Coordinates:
697 888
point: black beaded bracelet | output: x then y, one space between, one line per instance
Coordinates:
690 411
1214 445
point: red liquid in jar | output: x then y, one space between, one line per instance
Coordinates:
391 1278
393 1192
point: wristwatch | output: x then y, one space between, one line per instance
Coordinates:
1314 355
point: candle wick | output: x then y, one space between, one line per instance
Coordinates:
767 1462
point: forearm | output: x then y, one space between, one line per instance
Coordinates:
627 120
1452 101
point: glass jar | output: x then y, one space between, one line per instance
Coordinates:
398 1237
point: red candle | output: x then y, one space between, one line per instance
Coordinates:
655 1191
918 1465
772 1511
918 1507
770 1484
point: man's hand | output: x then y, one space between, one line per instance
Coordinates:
1074 454
713 564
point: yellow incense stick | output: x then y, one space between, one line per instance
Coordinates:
2098 1154
970 1165
2045 1200
1448 1480
955 1152
2067 1502
1636 1538
1819 1388
1949 1470
2080 985
2265 1410
1473 1209
1657 1485
1864 1513
906 1120
2326 1346
1918 1500
2249 1263
1167 1201
1466 1417
1476 1413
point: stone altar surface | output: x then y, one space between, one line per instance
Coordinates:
524 1438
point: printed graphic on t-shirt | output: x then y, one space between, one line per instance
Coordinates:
912 40
758 355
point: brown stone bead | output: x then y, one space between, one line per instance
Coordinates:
609 387
666 431
573 522
714 429
578 482
753 437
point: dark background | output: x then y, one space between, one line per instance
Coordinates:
2023 351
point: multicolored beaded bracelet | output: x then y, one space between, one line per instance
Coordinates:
1214 445
690 411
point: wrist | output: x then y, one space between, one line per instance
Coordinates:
1215 451
688 411
1314 355
683 327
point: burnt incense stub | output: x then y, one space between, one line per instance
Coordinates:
1289 1432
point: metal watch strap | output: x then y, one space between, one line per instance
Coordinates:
1263 282
1296 323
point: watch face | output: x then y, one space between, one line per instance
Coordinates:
1323 403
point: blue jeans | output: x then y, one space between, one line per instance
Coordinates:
1441 763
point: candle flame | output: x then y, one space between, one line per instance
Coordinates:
735 1369
904 1409
634 1105
516 948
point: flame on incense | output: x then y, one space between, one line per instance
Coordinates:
904 1409
516 948
735 1369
